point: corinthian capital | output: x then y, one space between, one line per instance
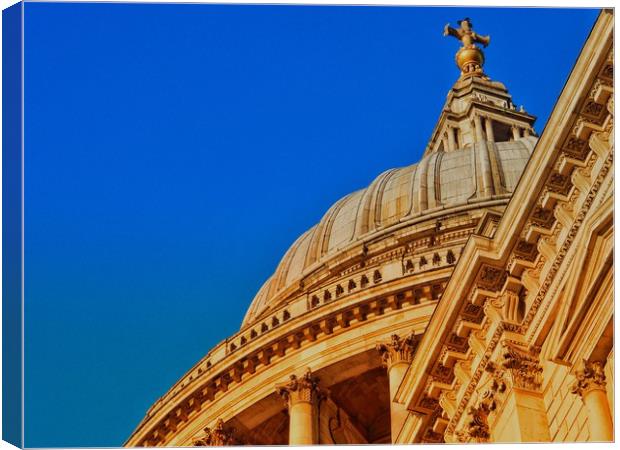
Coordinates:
299 389
590 377
523 366
218 436
398 349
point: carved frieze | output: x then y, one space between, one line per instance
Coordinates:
218 436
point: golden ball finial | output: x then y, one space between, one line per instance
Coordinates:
470 60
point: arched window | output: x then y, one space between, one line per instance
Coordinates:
339 291
352 285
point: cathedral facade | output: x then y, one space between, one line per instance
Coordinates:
465 298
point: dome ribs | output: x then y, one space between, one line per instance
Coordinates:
377 204
439 187
432 181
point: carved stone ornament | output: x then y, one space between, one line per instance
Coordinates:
476 426
299 389
398 350
523 366
590 377
219 436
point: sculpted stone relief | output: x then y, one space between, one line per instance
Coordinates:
219 436
591 376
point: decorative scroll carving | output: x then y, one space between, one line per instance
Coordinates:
299 389
398 350
511 300
591 376
219 436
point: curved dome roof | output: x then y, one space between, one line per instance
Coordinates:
440 181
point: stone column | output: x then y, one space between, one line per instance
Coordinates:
484 174
478 126
489 129
516 132
397 356
302 395
590 386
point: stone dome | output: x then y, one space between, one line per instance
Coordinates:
441 183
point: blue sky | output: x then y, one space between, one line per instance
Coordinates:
174 152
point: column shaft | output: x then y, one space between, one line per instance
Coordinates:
301 424
489 128
478 127
599 416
